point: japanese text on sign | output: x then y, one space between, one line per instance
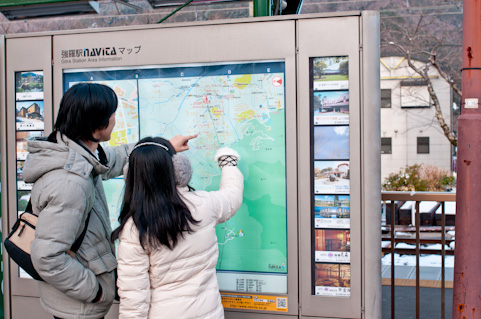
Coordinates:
255 302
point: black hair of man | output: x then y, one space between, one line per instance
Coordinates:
151 198
84 108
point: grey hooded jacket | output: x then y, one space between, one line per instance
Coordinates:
67 186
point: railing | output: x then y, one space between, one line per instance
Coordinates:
390 198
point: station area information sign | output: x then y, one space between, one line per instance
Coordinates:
241 106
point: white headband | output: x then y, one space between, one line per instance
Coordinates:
151 143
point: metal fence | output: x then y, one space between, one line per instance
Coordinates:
391 202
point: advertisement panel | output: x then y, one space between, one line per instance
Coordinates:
331 176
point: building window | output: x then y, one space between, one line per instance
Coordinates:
386 146
423 145
415 96
385 98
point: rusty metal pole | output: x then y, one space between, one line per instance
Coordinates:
467 265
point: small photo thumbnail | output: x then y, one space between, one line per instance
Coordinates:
29 85
331 142
330 73
331 107
331 177
29 116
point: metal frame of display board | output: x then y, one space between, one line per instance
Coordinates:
328 45
204 43
351 36
211 44
292 39
3 150
23 62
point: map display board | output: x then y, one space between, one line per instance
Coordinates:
241 106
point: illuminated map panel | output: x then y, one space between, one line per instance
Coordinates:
241 106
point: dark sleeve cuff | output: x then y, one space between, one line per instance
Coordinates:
227 160
98 296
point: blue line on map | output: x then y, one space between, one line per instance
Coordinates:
165 81
235 131
181 103
228 109
165 101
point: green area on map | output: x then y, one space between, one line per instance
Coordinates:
245 112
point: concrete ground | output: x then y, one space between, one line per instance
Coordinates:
405 292
405 303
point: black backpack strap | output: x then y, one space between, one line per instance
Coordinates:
79 240
29 206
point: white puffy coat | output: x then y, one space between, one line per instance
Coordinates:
179 283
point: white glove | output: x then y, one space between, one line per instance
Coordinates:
226 157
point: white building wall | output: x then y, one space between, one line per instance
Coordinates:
404 125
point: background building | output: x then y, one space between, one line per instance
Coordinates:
410 133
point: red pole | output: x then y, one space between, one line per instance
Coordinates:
467 265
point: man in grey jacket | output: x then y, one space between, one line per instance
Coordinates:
67 170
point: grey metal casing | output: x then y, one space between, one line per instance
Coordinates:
293 39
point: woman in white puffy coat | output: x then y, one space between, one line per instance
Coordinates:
168 245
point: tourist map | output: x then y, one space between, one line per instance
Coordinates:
241 106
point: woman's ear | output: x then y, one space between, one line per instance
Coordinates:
96 135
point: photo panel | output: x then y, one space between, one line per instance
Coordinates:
331 177
29 115
22 200
29 85
331 142
332 245
22 138
332 211
21 185
330 73
20 170
331 107
333 280
22 152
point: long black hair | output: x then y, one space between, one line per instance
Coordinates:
151 197
84 108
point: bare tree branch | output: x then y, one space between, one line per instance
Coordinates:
423 40
438 113
444 75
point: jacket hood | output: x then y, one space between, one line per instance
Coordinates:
45 156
